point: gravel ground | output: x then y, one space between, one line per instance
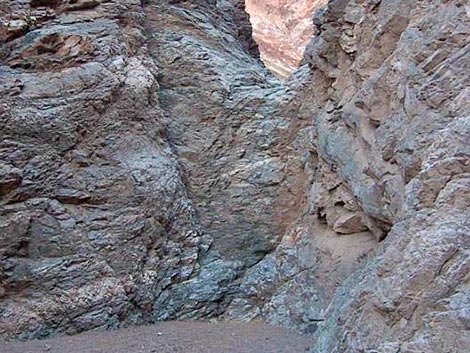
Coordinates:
174 337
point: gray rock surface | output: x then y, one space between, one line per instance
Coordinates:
95 215
151 169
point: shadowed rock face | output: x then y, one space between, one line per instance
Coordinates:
152 169
139 176
282 29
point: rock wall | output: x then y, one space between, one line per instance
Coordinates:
141 166
95 216
97 220
151 169
383 90
394 127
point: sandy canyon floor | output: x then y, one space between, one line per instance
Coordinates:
174 337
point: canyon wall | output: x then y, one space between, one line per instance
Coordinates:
96 220
152 169
141 163
395 127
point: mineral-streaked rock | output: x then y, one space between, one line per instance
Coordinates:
112 142
98 220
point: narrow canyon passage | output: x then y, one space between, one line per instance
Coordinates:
243 158
152 169
282 29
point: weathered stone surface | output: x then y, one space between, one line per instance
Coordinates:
127 166
393 116
10 178
389 130
98 220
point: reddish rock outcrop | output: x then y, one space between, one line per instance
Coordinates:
282 29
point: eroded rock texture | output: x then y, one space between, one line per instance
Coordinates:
152 169
96 220
132 138
282 29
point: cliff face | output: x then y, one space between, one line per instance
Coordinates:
139 174
94 207
385 96
394 124
282 29
151 169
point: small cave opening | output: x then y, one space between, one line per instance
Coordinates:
282 30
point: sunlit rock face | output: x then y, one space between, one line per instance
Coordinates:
282 29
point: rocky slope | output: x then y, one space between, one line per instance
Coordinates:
282 29
151 169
